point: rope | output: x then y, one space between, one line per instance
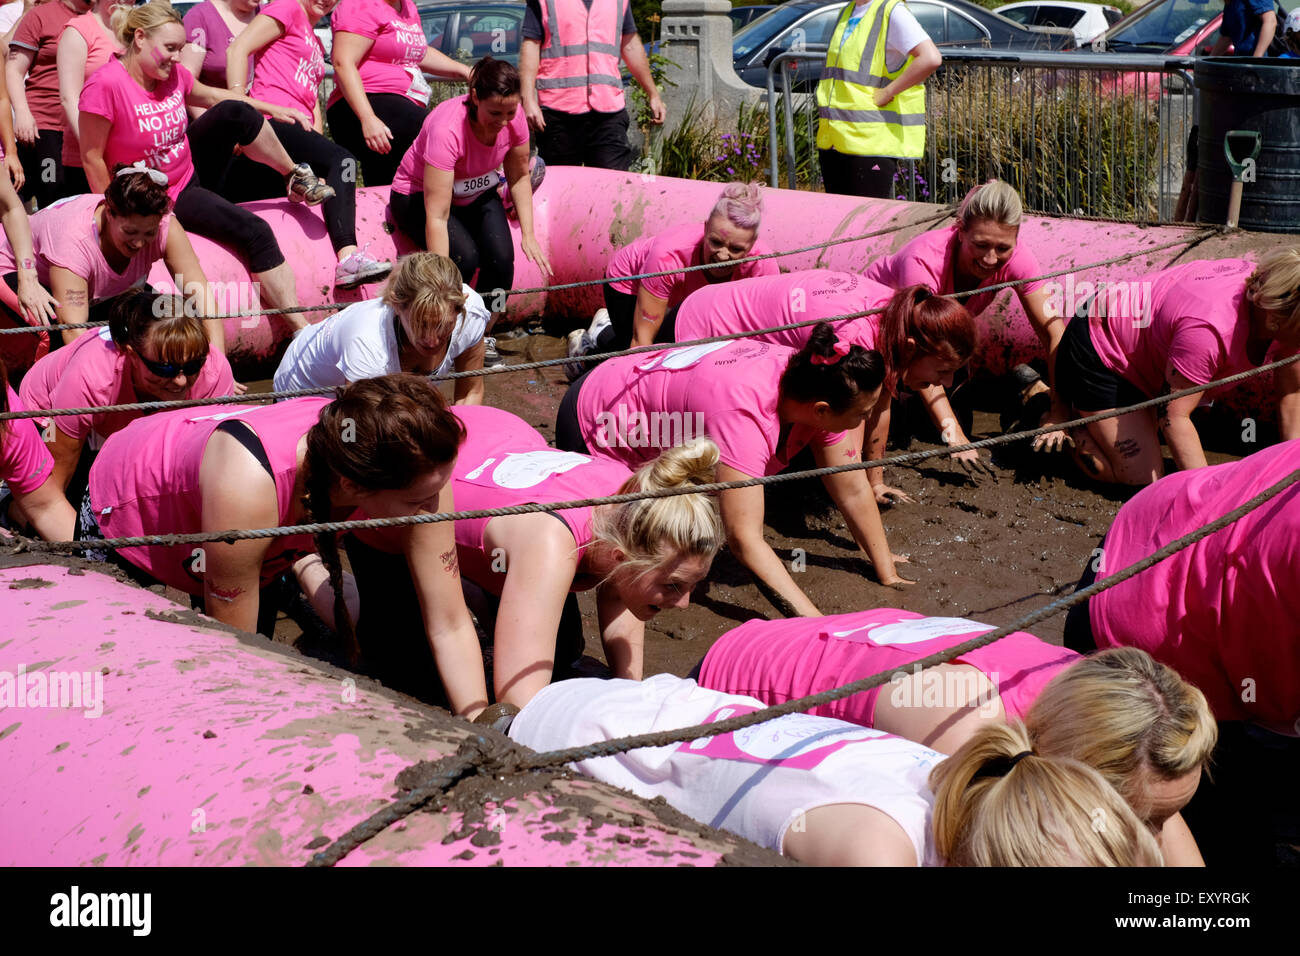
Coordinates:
547 363
334 527
605 280
452 769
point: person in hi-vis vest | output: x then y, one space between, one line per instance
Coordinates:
871 101
572 90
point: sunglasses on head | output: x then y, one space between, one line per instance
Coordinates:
172 369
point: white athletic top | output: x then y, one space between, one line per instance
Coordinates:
756 782
359 342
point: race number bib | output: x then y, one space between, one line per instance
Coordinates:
528 469
472 186
913 632
419 90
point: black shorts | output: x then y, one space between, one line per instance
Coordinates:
1083 380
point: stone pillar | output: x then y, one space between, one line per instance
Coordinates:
697 37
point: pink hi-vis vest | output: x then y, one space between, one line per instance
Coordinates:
578 71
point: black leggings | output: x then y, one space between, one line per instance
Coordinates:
871 176
43 166
202 207
478 238
403 117
1078 620
568 433
338 167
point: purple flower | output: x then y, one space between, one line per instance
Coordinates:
730 171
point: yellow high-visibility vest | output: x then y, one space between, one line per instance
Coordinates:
850 122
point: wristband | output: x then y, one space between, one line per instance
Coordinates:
27 264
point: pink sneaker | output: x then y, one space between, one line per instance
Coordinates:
359 268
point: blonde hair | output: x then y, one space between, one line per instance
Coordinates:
654 530
1275 285
147 17
428 288
1129 716
993 200
994 807
741 204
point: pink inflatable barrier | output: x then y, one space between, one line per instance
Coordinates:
583 215
135 732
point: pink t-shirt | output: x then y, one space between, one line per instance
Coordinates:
38 32
392 64
1223 611
65 235
445 141
676 248
149 126
505 462
632 408
290 69
25 461
760 303
929 260
146 481
94 371
100 47
1192 319
777 661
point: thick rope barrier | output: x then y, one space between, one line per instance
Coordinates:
334 527
248 399
604 280
472 758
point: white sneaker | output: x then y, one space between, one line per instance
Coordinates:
491 355
599 323
576 344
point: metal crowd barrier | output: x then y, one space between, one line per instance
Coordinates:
1079 133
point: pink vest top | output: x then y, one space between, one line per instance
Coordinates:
777 661
146 481
578 71
505 462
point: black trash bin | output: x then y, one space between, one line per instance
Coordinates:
1263 96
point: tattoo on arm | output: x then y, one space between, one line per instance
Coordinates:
76 297
1129 447
450 562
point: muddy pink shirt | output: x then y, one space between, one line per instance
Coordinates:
94 371
146 481
930 258
631 408
760 303
65 235
100 47
445 141
392 64
1194 320
25 461
505 462
146 125
782 660
1222 612
290 69
676 248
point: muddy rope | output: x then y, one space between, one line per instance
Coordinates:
1191 242
333 527
248 399
473 758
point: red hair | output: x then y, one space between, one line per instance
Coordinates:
936 324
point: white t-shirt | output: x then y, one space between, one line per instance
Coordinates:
755 782
360 342
903 35
9 14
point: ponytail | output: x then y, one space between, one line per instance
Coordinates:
999 803
652 530
828 370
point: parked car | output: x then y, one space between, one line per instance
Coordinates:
1173 27
1087 20
808 25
